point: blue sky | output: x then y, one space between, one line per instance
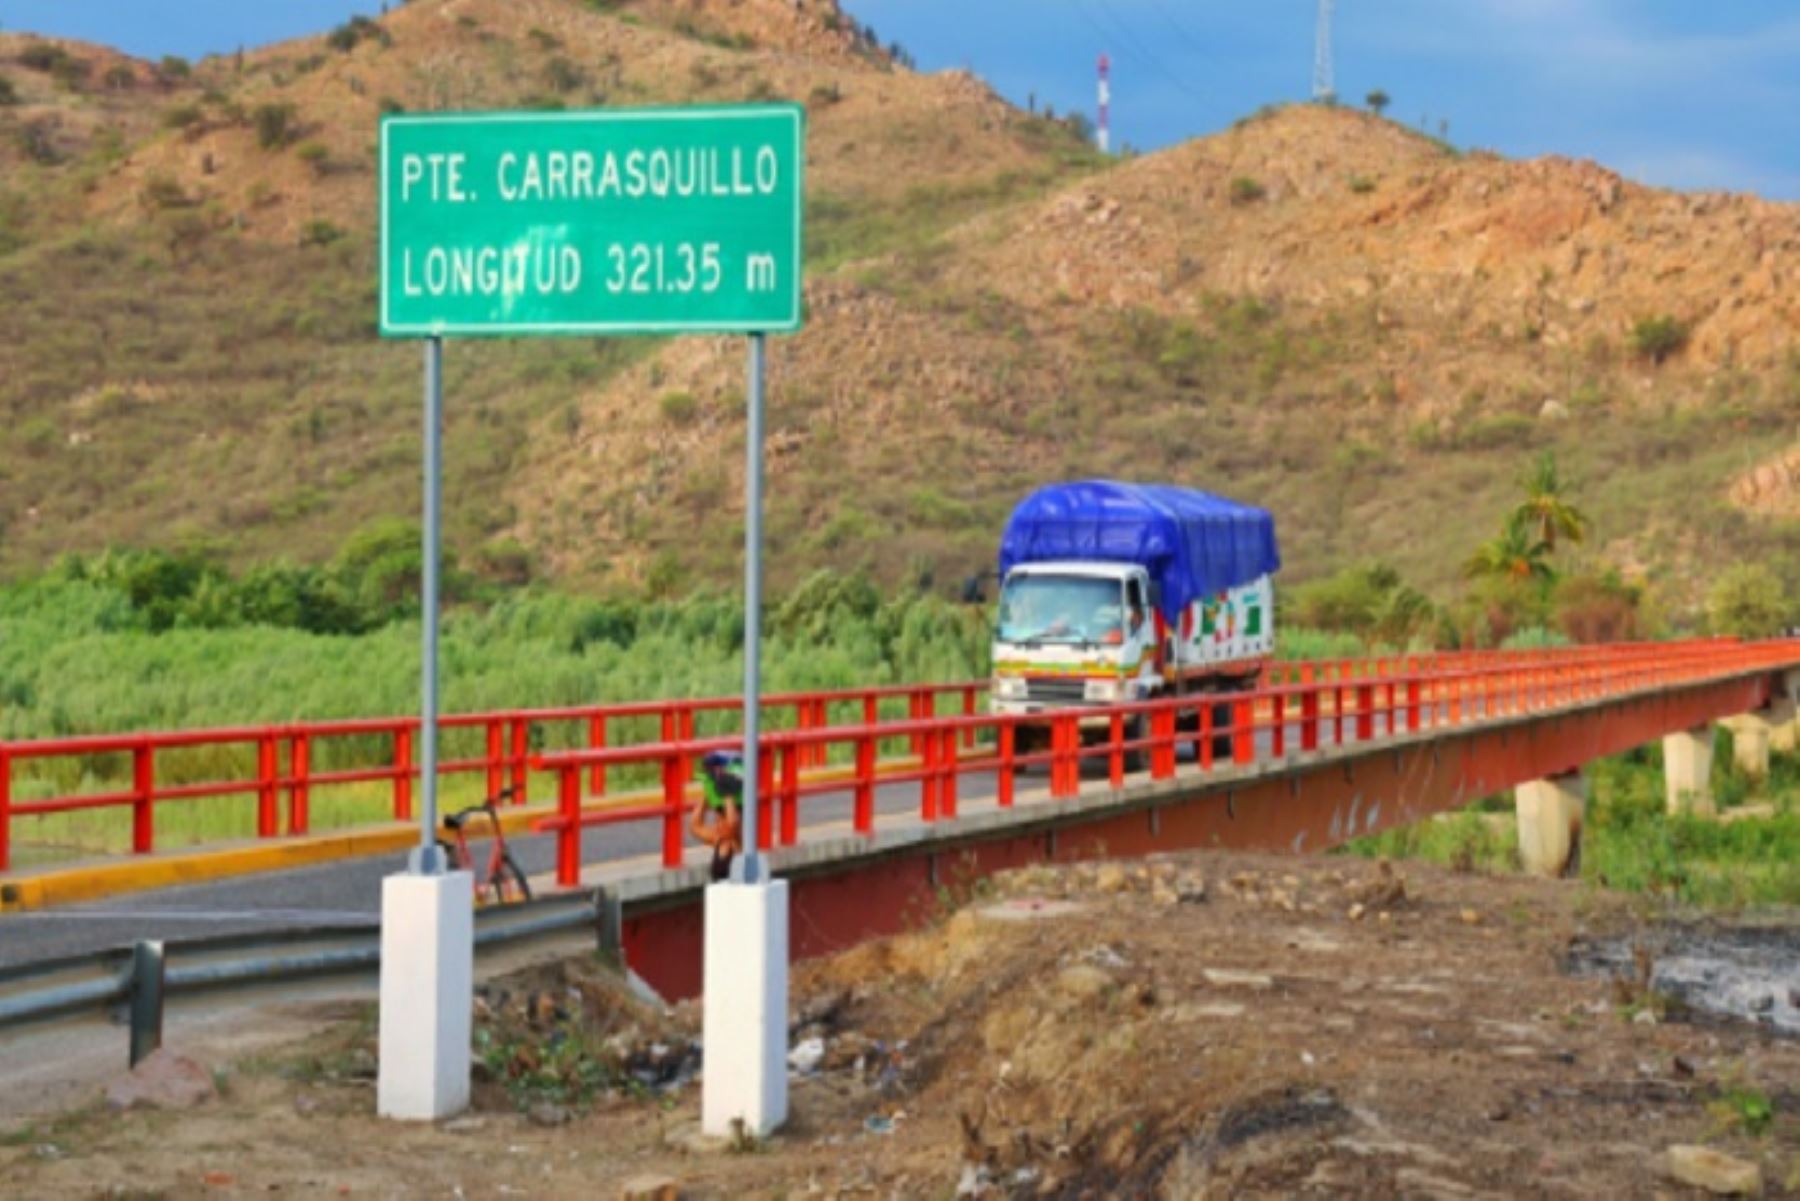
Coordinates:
1673 92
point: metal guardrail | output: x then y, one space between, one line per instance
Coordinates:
143 976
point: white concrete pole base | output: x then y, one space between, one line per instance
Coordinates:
1687 771
745 1008
427 995
1550 814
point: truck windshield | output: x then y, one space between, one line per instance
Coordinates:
1053 608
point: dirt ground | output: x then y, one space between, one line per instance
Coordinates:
1197 1026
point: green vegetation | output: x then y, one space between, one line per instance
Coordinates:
679 408
136 641
1245 190
315 156
1368 601
356 30
1630 843
182 116
1546 509
1656 338
1749 601
9 95
1378 101
275 125
43 56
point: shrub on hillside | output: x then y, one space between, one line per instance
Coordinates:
319 233
42 56
36 140
1656 338
347 36
182 116
563 76
161 192
679 408
1245 190
173 66
275 125
315 156
9 95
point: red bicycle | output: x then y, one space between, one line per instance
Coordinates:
502 875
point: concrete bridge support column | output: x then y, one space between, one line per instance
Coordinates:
1782 721
1751 734
1550 813
1687 771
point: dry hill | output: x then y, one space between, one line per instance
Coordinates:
1358 326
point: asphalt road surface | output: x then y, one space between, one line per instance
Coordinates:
348 892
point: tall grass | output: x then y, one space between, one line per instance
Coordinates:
72 662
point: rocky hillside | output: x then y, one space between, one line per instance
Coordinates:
1358 326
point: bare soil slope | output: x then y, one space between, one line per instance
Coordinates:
1207 1026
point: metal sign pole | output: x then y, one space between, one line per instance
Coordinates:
748 869
427 859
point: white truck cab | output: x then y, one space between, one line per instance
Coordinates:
1074 633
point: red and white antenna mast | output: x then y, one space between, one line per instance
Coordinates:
1103 127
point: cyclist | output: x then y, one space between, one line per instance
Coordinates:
717 818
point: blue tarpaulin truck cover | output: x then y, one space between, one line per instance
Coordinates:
1194 544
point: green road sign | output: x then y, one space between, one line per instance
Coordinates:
612 221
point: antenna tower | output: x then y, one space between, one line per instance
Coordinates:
1103 127
1324 87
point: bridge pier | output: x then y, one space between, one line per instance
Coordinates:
1550 812
1755 734
1687 771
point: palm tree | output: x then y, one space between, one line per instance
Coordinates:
1544 508
1514 555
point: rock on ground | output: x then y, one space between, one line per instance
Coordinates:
1716 1172
650 1188
163 1080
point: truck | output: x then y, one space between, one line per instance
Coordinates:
1114 592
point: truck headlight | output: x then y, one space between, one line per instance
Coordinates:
1102 690
1009 688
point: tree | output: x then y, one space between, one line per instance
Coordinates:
1748 601
1514 555
1545 509
1378 101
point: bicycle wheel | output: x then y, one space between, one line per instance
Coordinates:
509 882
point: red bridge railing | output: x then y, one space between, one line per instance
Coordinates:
1332 704
285 755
